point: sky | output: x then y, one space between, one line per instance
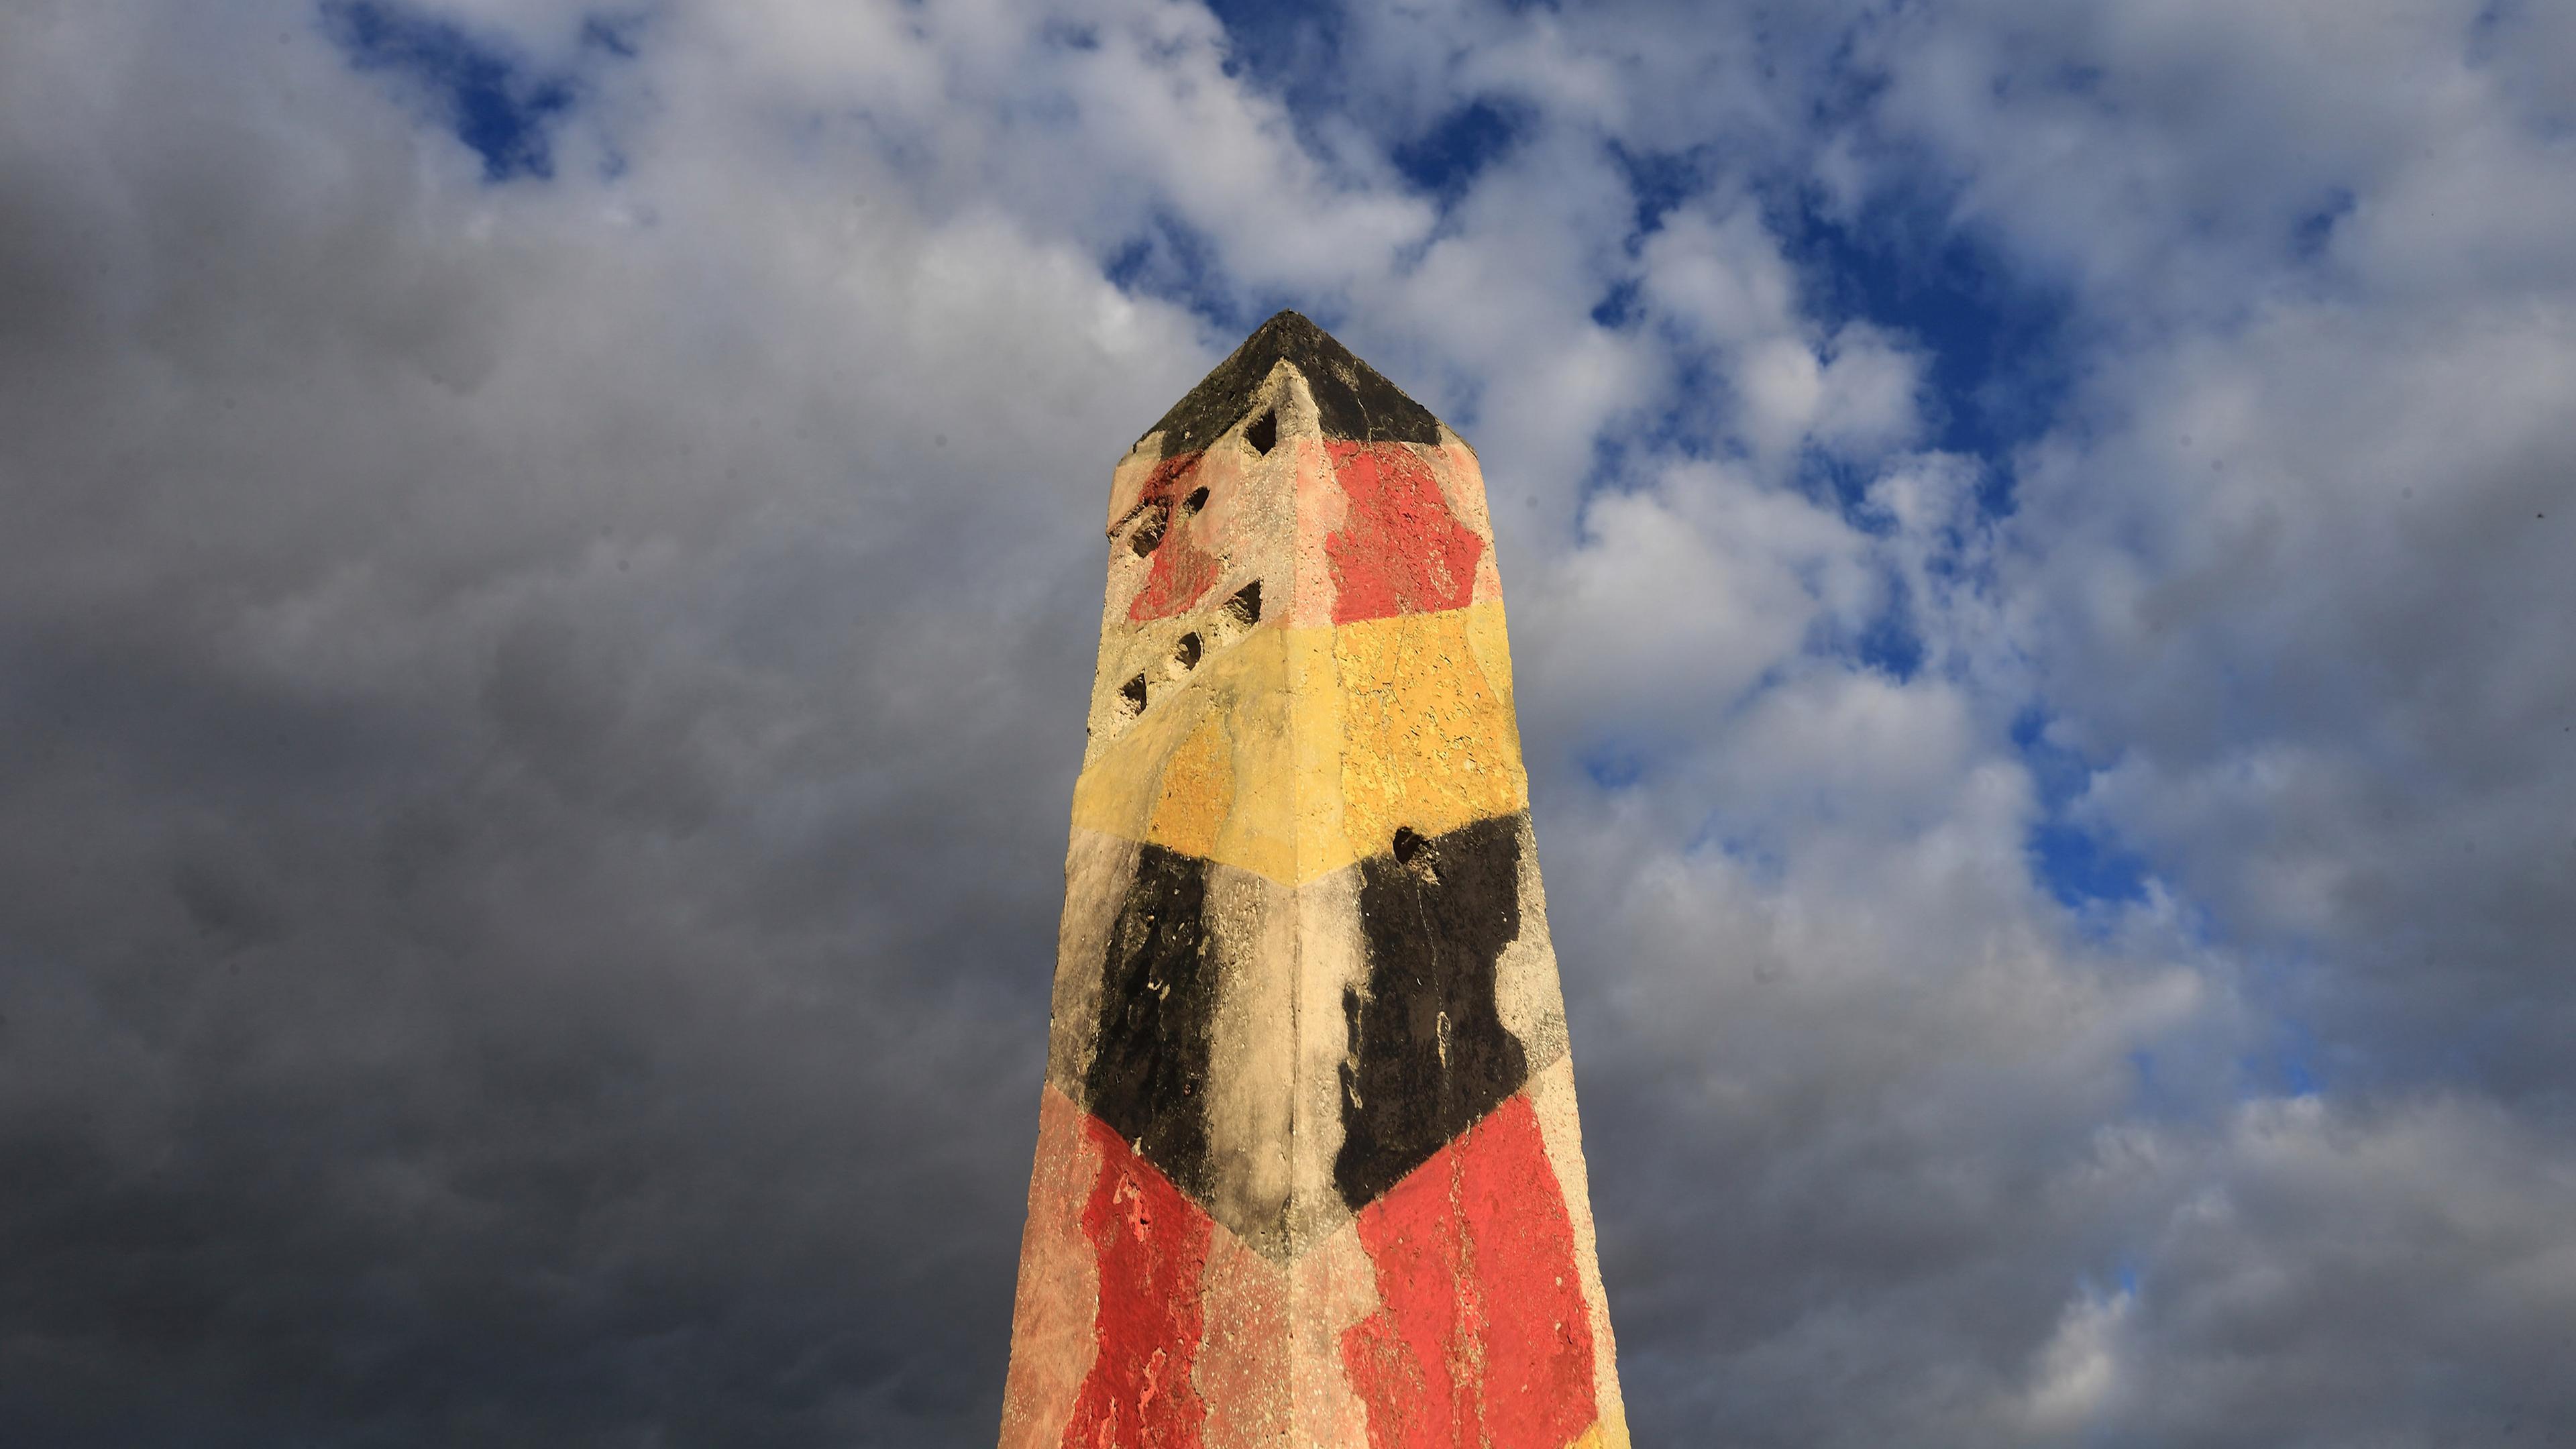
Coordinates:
548 588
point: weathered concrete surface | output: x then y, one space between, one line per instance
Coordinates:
1308 1166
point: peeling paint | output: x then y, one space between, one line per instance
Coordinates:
1309 1172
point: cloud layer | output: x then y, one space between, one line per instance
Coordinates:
549 581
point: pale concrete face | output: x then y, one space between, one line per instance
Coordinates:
1308 1170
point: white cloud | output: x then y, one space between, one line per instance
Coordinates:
2079 1371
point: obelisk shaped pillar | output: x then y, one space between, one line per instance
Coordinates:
1308 1171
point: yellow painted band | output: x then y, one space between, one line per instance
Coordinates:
1298 751
1604 1434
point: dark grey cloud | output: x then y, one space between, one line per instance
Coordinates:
528 807
537 705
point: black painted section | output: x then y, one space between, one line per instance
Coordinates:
1352 399
1429 1052
1158 985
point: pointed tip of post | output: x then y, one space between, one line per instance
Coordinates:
1352 399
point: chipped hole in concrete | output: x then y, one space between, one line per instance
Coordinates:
1131 696
1192 504
1187 651
1149 530
1245 607
1414 853
1263 434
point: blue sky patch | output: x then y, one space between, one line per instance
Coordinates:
1445 159
2080 865
1660 181
1613 767
1173 260
1890 644
494 99
1618 307
2315 231
2000 349
1292 51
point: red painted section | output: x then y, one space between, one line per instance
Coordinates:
1399 549
1182 570
1153 1248
1481 1338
